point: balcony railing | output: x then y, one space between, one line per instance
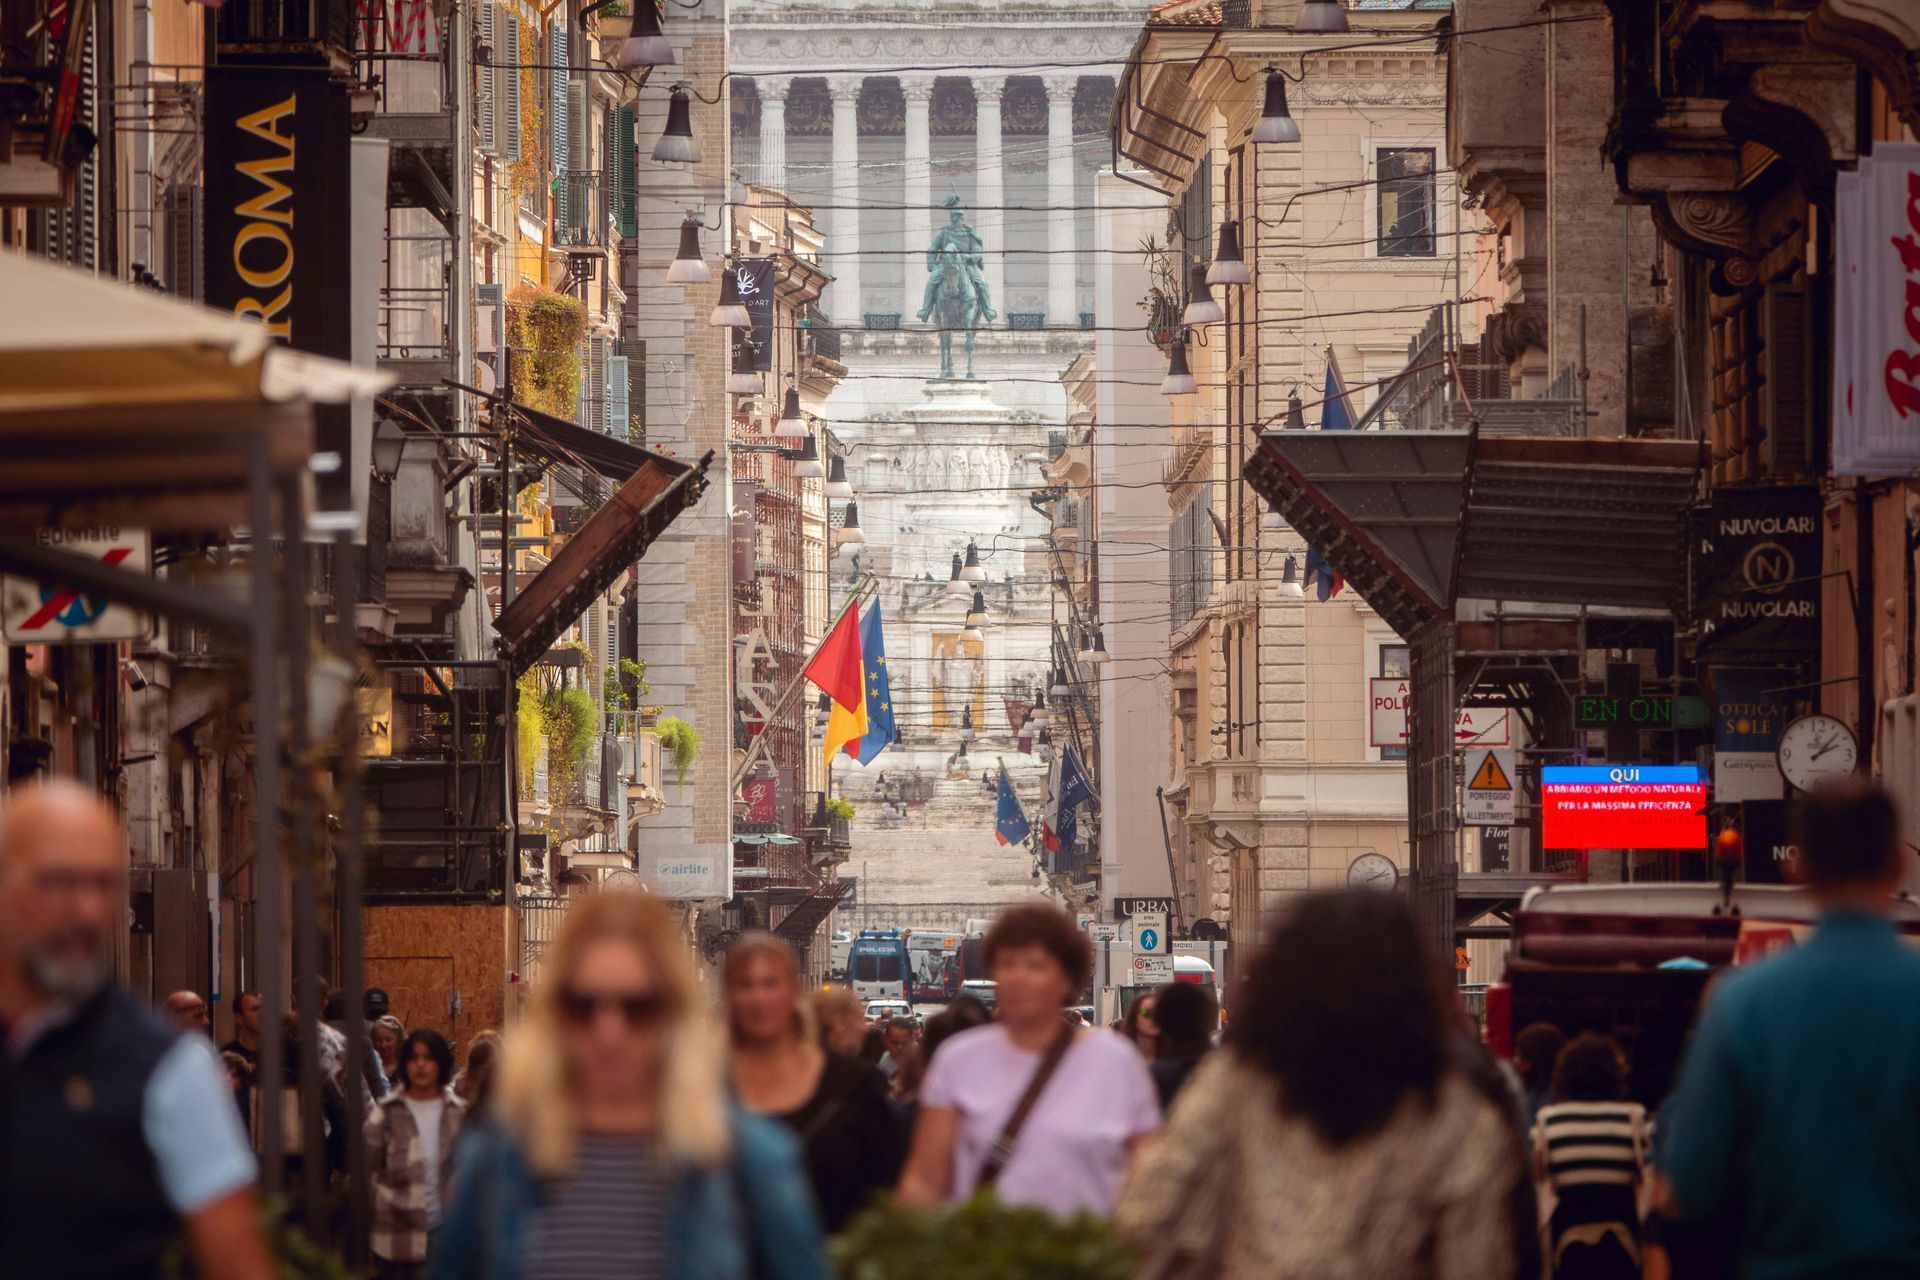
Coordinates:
580 217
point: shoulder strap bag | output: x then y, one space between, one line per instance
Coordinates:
1002 1149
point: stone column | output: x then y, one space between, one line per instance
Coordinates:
1062 311
773 130
916 219
990 185
844 190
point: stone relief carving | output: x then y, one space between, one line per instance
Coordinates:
1517 328
1718 226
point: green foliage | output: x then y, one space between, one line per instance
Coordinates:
545 330
531 726
680 740
295 1256
618 9
571 720
840 807
980 1238
625 680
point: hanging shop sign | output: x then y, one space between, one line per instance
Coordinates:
1388 698
276 221
1623 806
53 613
762 796
753 345
1758 566
1747 720
1876 341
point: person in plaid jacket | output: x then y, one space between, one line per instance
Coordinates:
410 1137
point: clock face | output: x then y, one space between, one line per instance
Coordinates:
1816 749
1373 871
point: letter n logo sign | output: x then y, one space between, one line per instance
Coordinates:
1768 567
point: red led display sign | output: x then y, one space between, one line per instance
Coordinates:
1624 806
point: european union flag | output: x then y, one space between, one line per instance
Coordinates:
1010 823
882 732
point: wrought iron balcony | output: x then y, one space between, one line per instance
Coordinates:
580 216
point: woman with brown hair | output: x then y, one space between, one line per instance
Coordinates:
1335 1136
836 1105
1044 1112
614 1151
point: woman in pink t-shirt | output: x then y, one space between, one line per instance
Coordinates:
1070 1154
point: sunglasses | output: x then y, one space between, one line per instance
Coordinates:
636 1008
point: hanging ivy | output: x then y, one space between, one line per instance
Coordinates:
682 741
546 330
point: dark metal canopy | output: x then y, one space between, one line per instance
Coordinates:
650 496
1419 520
561 443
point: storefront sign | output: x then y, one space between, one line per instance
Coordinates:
684 872
1746 731
1623 806
1768 850
277 225
1598 711
375 710
1125 907
762 796
1758 566
1876 341
54 613
1388 698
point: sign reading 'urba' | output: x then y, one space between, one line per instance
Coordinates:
276 214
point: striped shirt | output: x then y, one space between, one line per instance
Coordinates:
1593 1143
606 1218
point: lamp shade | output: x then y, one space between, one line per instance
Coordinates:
808 467
966 732
956 585
1096 650
971 570
646 45
1039 715
1229 264
1290 586
1179 380
838 486
676 140
1272 520
849 532
728 313
1296 417
792 424
389 446
977 611
1276 123
1059 687
1322 18
1201 308
687 266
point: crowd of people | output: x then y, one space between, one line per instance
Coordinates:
639 1122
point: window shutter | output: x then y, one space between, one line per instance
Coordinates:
620 169
493 339
617 396
597 355
184 212
635 352
509 125
1786 400
587 199
488 95
557 119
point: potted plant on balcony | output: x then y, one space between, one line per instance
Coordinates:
615 22
1162 303
682 741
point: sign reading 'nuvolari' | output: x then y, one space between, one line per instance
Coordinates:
1758 565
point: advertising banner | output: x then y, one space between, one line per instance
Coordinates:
753 346
1876 345
276 221
1746 730
1758 566
1623 806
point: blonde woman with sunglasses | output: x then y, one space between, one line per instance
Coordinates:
613 1150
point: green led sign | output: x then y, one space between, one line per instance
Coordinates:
1599 711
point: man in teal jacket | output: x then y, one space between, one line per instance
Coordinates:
1796 1123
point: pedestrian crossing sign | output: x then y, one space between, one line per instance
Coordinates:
1490 790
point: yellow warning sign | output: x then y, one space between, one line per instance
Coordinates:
1490 776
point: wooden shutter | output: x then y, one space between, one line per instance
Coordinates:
597 356
1786 400
185 209
621 159
491 346
509 123
617 411
488 95
558 121
635 352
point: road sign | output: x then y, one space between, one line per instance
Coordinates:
1103 933
34 613
1388 698
1152 971
1150 933
1489 800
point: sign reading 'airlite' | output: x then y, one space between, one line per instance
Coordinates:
1623 806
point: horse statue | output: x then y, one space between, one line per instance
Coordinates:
957 310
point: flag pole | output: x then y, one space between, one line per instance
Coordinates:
867 585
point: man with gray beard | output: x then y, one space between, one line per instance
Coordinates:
118 1138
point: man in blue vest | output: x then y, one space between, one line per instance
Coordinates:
1794 1130
119 1140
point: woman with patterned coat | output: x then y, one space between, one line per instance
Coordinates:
410 1136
